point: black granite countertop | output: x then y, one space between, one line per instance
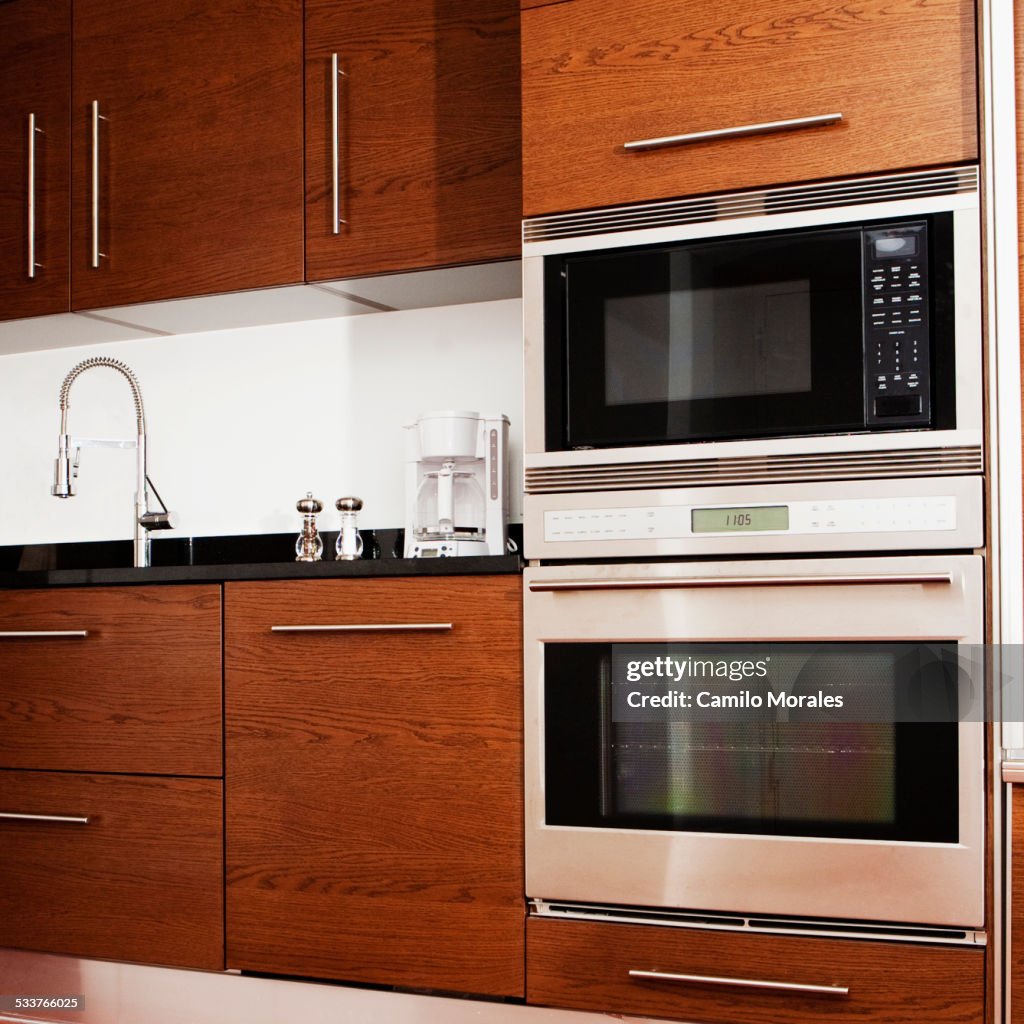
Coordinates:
217 559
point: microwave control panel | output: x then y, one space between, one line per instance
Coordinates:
897 372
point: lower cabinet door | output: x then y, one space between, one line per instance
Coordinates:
113 866
705 977
374 781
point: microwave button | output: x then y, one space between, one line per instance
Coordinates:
898 405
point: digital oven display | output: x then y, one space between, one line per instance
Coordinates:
739 520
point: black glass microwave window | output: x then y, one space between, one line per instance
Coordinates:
778 334
895 781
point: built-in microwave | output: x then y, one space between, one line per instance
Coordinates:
820 332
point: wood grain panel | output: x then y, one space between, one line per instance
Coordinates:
374 783
599 73
1016 958
585 965
201 149
430 170
141 693
35 78
142 881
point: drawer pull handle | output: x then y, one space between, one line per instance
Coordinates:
697 582
60 819
336 219
20 634
368 627
732 133
32 130
772 986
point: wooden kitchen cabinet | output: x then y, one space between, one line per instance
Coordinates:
1015 960
586 965
600 73
374 781
134 871
424 112
35 109
112 679
196 135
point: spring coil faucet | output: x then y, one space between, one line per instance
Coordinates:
66 472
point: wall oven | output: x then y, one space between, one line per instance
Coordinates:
816 332
878 819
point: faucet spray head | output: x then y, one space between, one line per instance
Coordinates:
64 472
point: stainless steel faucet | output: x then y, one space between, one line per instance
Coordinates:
66 472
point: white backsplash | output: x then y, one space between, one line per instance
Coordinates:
242 423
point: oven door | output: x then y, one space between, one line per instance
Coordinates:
874 819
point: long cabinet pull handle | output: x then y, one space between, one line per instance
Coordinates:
96 118
698 582
20 634
736 132
336 73
752 983
32 129
60 819
368 627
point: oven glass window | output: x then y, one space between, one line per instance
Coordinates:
750 336
879 780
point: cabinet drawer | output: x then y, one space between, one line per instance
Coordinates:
374 782
141 880
598 74
584 965
117 679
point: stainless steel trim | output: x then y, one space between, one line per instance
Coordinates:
730 133
61 819
368 627
1013 771
791 199
19 634
32 129
336 218
749 983
694 582
95 201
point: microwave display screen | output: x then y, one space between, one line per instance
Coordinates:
875 780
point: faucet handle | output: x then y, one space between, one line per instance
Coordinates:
159 520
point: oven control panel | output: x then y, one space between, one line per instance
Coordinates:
660 522
897 389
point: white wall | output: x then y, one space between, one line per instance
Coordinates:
242 423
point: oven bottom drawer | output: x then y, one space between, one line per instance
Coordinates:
118 867
587 966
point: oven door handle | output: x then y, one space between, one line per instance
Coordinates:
698 582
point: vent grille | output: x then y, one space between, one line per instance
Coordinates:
764 469
675 212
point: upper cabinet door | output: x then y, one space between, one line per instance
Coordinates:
412 134
186 148
35 96
598 74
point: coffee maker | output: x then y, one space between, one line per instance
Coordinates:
457 494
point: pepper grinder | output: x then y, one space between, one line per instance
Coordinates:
349 544
310 545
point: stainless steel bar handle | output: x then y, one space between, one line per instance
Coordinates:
96 118
751 983
736 132
336 73
20 634
60 819
32 129
368 627
697 582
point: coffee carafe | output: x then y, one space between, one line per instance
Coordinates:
456 485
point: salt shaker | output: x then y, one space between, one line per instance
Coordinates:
309 545
349 544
